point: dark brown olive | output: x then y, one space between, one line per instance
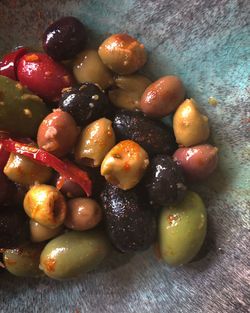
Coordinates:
63 39
164 181
154 136
69 188
86 103
14 228
128 218
6 188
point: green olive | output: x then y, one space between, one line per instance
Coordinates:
46 205
74 254
24 171
21 112
39 233
24 261
182 230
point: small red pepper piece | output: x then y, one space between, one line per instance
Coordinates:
8 65
65 168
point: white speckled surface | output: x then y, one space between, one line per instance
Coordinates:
207 43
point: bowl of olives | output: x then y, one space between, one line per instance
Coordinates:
117 158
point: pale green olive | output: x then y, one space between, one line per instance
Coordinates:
182 230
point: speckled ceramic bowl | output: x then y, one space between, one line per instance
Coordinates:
206 42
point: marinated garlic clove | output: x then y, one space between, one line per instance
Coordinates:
129 91
94 143
125 164
45 205
88 67
190 126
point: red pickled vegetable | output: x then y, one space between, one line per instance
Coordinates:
65 168
43 76
8 65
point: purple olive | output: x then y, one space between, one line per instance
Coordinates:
64 38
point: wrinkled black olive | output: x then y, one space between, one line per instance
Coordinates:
64 38
13 227
154 136
86 103
129 220
164 181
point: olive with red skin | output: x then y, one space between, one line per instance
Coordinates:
43 76
86 103
9 62
64 38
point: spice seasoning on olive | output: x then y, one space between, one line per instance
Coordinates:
130 89
125 164
190 126
45 205
154 136
24 261
39 233
164 181
163 96
82 214
85 103
57 133
182 230
24 171
129 220
94 143
74 253
197 162
122 53
64 38
88 67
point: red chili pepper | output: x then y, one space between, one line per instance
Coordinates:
8 65
65 168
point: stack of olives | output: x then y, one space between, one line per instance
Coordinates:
93 110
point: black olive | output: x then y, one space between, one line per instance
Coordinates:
85 103
154 136
164 181
13 227
64 38
129 221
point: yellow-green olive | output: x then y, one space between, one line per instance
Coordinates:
94 143
82 214
74 253
24 261
88 67
39 233
190 126
182 230
24 171
125 164
45 205
129 91
122 53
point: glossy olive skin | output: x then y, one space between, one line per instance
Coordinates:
24 171
85 103
197 162
190 126
128 218
24 261
25 109
154 136
13 227
39 233
64 38
82 214
182 230
74 253
57 133
164 181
